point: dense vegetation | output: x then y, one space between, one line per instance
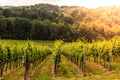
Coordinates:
28 55
51 22
25 55
103 53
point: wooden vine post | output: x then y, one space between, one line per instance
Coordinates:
25 65
1 63
110 66
57 61
84 60
57 57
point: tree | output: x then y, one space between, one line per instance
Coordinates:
22 28
37 32
68 20
2 27
40 29
6 13
9 28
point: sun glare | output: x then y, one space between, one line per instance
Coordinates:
85 3
91 3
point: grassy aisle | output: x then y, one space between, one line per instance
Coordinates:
44 70
68 70
99 73
94 68
15 75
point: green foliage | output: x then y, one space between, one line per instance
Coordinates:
51 22
17 53
6 13
74 49
22 28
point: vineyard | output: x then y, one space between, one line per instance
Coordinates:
48 60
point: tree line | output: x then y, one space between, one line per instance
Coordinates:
23 28
51 22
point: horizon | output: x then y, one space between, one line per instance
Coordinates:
82 3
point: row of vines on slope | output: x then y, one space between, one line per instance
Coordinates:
57 56
33 57
29 55
75 52
103 52
10 58
15 56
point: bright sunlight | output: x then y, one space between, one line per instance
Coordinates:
85 3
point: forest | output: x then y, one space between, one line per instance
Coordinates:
52 22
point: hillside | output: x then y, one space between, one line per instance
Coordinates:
51 22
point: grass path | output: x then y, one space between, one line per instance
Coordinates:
94 68
15 75
42 73
98 72
68 70
95 72
44 70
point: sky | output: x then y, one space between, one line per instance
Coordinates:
84 3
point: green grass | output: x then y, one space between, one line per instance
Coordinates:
67 72
25 42
15 75
45 42
44 70
66 69
93 72
93 69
